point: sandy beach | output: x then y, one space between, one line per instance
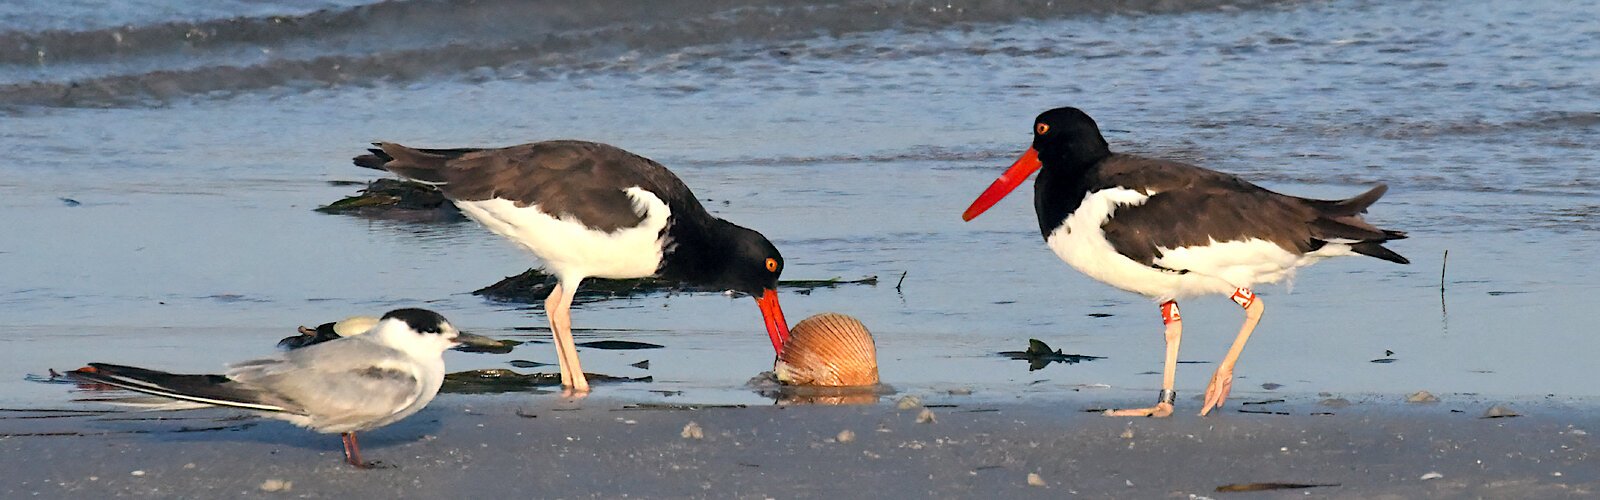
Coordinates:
166 160
545 447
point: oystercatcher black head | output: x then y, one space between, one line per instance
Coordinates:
1066 137
733 257
752 265
1168 230
594 210
1069 137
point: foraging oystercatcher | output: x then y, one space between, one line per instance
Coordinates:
593 210
345 385
1170 230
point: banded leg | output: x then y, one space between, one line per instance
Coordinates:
1169 370
1222 381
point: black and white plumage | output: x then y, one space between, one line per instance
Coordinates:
593 210
346 385
1170 230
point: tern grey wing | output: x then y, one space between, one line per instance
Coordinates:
343 385
205 390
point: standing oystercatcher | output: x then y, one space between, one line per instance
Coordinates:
593 210
1171 230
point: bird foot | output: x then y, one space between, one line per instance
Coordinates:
575 392
1217 391
1160 410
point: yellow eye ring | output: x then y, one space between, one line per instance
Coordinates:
772 265
1040 128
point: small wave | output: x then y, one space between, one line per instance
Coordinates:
410 39
930 153
1550 120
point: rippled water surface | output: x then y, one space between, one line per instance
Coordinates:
164 158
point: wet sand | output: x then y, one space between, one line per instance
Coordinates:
598 448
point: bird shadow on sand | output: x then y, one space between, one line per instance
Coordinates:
214 425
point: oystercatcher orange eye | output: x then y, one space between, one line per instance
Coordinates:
1040 128
772 265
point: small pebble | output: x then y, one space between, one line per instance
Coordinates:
846 436
137 473
1431 475
964 391
1271 386
926 417
1127 433
276 485
1500 411
1578 432
1034 479
692 430
189 465
908 402
1422 397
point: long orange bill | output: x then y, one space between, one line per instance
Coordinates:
777 328
1019 171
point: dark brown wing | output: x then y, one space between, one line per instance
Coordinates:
1192 206
578 179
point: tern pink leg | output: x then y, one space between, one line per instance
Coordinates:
1169 370
1222 381
352 451
558 308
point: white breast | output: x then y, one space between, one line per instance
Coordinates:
569 249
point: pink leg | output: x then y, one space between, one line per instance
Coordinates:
1169 370
352 451
558 307
1222 381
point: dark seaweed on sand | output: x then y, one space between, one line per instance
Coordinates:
1039 355
393 198
534 285
618 345
1241 487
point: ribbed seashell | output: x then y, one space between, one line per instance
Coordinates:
828 349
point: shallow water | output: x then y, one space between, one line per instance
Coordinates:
852 136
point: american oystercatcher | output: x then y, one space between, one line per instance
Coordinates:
1170 230
345 385
594 210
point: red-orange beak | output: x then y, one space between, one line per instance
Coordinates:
777 328
1019 171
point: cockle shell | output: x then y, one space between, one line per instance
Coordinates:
831 350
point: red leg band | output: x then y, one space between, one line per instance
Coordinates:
1244 297
1169 312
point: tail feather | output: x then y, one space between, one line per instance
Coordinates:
1340 220
206 389
383 156
1376 249
1352 206
373 160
